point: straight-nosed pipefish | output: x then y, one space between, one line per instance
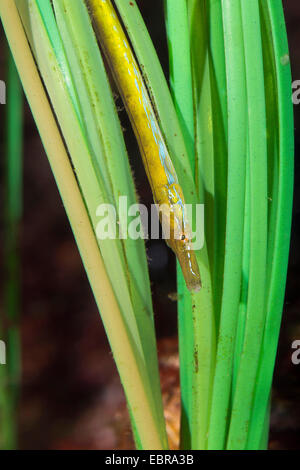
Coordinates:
167 193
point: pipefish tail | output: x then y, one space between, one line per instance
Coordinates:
167 193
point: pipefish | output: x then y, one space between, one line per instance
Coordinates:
167 193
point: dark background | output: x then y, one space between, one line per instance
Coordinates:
71 395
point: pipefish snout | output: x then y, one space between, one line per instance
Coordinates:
156 159
178 236
188 263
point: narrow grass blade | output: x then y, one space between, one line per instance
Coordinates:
237 132
58 47
220 142
243 393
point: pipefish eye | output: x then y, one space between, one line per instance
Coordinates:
182 237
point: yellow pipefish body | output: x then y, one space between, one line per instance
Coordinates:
160 171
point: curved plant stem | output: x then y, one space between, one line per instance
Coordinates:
236 90
243 393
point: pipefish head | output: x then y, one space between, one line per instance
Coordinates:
185 254
180 241
178 235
